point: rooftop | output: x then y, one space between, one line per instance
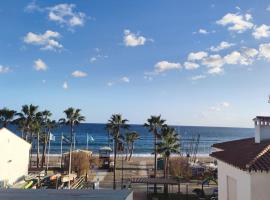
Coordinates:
244 154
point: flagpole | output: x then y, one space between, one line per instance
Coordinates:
74 141
61 150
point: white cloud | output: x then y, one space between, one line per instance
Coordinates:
4 69
40 65
198 77
110 84
233 58
64 14
197 55
219 107
165 66
262 31
249 52
79 74
93 59
236 22
32 6
65 85
125 79
191 65
47 40
203 31
221 46
133 40
214 63
148 77
264 50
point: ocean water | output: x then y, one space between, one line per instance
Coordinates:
144 146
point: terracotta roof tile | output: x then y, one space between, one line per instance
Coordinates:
245 154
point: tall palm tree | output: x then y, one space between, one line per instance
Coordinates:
26 118
154 125
48 125
7 116
130 138
168 145
115 124
35 127
73 118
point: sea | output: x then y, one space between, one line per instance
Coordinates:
194 139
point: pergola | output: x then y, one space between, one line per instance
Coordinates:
153 181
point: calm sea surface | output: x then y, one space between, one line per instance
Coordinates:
144 146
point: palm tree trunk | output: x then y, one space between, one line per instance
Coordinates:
155 167
166 160
114 165
127 151
37 149
70 154
131 151
43 151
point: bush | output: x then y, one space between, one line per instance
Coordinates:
179 167
80 162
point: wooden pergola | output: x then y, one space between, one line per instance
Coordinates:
156 181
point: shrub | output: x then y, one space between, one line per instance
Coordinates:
80 162
179 167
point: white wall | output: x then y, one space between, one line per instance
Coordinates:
260 186
14 156
243 182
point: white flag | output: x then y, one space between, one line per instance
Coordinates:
52 137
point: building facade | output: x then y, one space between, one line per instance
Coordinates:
14 157
244 165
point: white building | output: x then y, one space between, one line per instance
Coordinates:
14 157
244 165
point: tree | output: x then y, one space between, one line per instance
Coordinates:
26 121
115 124
73 118
169 145
47 126
130 138
25 118
7 116
154 125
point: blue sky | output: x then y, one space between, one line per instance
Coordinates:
193 62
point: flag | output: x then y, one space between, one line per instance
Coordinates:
65 139
90 138
52 137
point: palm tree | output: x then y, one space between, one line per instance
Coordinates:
154 125
26 119
48 125
7 116
130 138
169 144
73 117
115 124
35 127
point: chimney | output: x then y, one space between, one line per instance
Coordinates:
262 128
